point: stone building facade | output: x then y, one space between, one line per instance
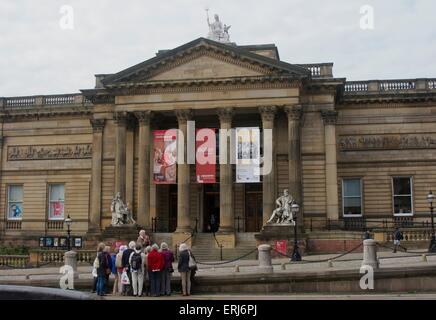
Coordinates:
347 151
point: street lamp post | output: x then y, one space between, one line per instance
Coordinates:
432 247
68 222
296 256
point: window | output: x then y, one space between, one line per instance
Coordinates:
351 197
15 202
56 201
402 191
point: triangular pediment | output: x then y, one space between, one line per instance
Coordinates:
203 59
207 67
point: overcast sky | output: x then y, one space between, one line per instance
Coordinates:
37 56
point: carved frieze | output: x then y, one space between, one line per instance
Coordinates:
387 142
50 152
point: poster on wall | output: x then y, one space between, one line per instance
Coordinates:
57 209
165 156
205 144
247 155
281 246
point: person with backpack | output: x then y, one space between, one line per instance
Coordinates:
136 262
102 266
119 269
168 256
155 262
127 289
398 236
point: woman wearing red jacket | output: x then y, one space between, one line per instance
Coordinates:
156 264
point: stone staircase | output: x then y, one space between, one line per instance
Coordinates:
205 248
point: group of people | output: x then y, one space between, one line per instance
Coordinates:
141 268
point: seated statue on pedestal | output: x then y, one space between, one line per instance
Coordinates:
283 214
121 214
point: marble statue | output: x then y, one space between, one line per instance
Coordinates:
217 31
121 214
283 213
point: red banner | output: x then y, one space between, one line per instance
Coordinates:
205 143
165 156
281 246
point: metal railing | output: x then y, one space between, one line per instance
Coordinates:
363 224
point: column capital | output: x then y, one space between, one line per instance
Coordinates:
143 117
329 117
121 117
183 115
294 112
225 114
97 124
268 113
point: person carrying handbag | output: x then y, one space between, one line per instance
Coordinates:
185 266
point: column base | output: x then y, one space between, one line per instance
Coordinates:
226 238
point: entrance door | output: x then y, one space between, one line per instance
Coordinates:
211 200
172 221
253 208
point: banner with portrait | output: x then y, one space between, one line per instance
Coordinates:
165 156
205 151
247 155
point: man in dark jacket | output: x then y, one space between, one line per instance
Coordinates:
127 289
398 236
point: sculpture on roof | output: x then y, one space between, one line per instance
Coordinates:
218 31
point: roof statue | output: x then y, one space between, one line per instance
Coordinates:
218 31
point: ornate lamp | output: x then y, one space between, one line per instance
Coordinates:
432 246
296 256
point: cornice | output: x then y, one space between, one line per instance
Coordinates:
205 85
38 113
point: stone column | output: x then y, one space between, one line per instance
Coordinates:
97 152
226 176
130 161
269 180
120 154
144 169
330 117
183 218
294 155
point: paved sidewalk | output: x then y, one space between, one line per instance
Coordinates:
347 262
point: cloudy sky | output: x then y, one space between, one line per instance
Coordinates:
37 56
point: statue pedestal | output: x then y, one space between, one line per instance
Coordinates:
281 238
126 232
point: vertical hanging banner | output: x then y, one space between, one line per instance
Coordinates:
247 155
205 143
165 156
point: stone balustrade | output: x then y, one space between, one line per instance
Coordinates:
319 70
411 235
13 225
57 256
14 261
41 101
389 86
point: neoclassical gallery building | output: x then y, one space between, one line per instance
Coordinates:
347 151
